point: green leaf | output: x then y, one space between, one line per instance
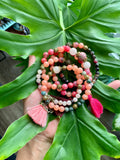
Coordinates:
109 97
96 18
41 17
20 88
116 122
81 136
18 134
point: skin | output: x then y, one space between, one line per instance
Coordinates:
40 144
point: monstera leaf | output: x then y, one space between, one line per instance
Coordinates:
53 23
82 136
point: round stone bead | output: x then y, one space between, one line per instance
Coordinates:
64 103
69 102
74 94
38 76
51 52
86 65
79 104
79 91
38 80
63 93
56 101
39 71
75 99
61 109
60 102
77 96
43 93
56 69
66 109
64 86
71 109
56 107
70 85
75 106
73 51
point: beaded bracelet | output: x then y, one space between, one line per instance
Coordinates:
50 76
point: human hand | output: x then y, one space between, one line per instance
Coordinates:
39 145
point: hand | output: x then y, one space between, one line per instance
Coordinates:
39 145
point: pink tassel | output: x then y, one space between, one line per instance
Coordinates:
38 115
96 106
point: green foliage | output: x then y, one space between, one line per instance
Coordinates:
18 134
53 23
81 136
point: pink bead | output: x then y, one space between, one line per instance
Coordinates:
70 85
82 56
66 48
50 61
57 82
55 78
64 86
45 54
95 61
46 64
43 88
63 93
43 60
51 52
54 87
74 94
75 83
46 78
61 59
75 44
87 71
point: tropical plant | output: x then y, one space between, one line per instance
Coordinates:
53 23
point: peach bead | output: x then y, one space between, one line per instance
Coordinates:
80 70
79 81
43 88
55 78
51 68
49 85
88 92
69 67
60 49
51 105
83 77
78 76
52 57
46 77
55 59
75 68
61 109
84 97
43 71
54 86
59 90
88 86
50 61
44 82
81 45
43 76
46 64
76 58
61 55
69 94
56 107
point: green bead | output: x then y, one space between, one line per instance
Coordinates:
88 81
86 77
83 73
82 101
79 104
45 98
50 74
64 67
75 106
42 67
71 109
56 50
59 86
68 61
66 109
79 86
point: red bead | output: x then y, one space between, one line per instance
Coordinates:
57 82
79 61
64 86
66 48
63 93
56 53
70 85
45 54
61 59
61 75
83 87
75 83
75 44
51 52
95 61
43 60
74 94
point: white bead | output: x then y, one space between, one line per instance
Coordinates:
69 103
86 65
39 71
38 76
38 80
39 86
56 101
78 96
79 91
75 99
60 102
64 103
56 69
73 51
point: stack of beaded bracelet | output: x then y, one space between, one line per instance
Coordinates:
51 76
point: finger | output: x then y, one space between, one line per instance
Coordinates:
115 84
31 60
